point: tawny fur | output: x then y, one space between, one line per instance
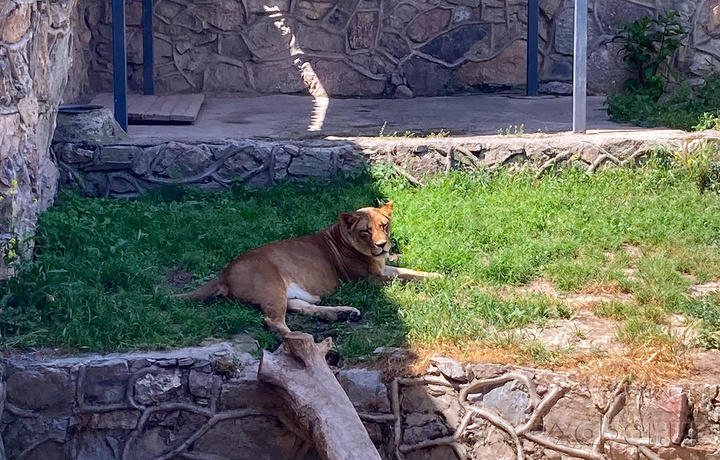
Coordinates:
293 274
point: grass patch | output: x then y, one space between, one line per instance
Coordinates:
104 269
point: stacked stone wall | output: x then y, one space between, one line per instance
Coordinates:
36 42
380 47
206 403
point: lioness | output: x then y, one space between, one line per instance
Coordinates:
293 274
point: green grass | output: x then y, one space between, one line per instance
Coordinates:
100 278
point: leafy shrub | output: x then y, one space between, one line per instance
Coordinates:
647 45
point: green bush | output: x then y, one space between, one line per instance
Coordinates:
650 97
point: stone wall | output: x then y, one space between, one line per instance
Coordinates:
35 54
379 47
205 403
123 168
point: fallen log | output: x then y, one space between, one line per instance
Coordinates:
321 407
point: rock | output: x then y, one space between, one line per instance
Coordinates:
559 69
42 388
433 429
317 39
244 163
224 76
202 384
428 24
271 78
16 24
433 453
92 127
611 13
223 14
339 79
573 418
71 153
508 68
395 45
233 46
264 6
268 40
258 437
564 31
181 161
362 30
463 13
470 3
118 154
453 45
401 16
337 19
510 400
314 9
317 162
365 389
403 92
115 420
96 446
143 160
450 368
425 78
105 382
157 386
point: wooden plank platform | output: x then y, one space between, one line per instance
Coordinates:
174 109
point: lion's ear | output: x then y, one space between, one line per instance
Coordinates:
387 208
348 219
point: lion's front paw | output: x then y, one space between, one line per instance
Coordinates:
351 314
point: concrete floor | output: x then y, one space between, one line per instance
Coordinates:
288 117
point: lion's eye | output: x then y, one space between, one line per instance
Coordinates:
365 232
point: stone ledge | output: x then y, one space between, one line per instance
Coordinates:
127 169
157 404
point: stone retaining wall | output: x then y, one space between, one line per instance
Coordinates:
205 403
127 169
36 39
379 47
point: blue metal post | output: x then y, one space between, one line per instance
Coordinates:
148 56
119 63
532 48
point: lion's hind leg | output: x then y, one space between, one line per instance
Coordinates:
324 312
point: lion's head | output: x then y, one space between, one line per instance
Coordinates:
368 229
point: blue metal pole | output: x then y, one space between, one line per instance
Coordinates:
532 48
148 55
119 63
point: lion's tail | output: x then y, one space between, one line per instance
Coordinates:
202 292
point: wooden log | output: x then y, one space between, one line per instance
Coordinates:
321 407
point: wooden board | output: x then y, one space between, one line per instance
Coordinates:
177 108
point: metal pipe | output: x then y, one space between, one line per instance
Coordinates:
148 54
580 67
532 48
119 63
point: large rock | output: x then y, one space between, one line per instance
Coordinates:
365 389
453 45
362 30
429 24
508 68
427 78
42 388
